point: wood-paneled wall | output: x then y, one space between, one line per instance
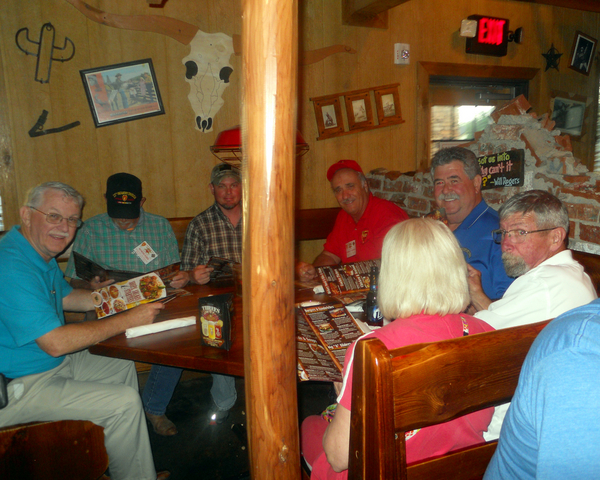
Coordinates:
173 159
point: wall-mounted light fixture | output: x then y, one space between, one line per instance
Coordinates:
228 146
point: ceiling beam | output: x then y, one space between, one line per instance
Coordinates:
373 13
587 5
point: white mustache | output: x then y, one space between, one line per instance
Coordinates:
347 201
448 196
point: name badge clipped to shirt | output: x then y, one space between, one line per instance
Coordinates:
351 249
145 252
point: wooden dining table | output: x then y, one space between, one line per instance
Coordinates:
182 347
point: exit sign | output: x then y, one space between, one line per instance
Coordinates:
491 37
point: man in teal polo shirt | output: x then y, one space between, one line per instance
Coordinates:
52 376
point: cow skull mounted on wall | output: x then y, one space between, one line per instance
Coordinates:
207 68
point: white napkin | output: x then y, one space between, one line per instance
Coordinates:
160 326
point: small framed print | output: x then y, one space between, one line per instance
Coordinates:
387 103
582 54
122 92
569 112
328 112
359 110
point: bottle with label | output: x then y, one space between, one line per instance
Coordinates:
374 317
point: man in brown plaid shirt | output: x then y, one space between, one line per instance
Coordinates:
217 232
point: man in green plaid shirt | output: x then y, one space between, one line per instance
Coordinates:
128 238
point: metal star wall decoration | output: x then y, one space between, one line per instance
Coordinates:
552 58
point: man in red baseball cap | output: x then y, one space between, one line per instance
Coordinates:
361 225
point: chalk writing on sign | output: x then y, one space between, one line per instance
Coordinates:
506 169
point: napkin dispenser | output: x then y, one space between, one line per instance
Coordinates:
216 313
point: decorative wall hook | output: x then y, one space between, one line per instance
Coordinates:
46 50
38 129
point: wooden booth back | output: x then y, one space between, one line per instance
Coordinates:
425 384
65 450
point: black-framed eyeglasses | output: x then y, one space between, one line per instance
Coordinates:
55 218
515 236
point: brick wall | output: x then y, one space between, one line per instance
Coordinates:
549 165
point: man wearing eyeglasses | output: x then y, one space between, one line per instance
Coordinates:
128 238
50 372
533 236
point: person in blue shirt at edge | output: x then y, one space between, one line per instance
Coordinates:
457 185
551 430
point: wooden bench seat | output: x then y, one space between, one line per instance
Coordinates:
425 384
65 450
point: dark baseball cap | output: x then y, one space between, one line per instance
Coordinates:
224 170
123 195
351 164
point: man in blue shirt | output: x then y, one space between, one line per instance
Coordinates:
552 428
51 374
457 189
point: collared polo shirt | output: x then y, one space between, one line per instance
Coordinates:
30 306
358 241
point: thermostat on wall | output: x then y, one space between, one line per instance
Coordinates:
401 53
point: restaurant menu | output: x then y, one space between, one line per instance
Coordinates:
346 277
222 268
88 269
126 295
323 333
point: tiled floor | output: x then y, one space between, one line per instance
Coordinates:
201 450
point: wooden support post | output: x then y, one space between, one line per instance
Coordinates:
270 65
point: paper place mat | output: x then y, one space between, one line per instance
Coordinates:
160 326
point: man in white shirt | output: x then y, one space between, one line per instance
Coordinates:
533 234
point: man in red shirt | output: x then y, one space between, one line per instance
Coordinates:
361 225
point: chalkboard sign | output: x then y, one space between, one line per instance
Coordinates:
506 169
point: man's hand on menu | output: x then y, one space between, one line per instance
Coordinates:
142 314
95 283
305 271
180 280
479 300
201 274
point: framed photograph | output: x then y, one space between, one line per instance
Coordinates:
569 113
328 112
359 110
582 54
387 103
122 92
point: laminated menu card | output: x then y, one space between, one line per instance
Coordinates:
222 268
323 334
88 269
128 294
346 277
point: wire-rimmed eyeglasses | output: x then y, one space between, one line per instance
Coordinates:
515 236
55 218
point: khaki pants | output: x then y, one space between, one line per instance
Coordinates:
89 387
